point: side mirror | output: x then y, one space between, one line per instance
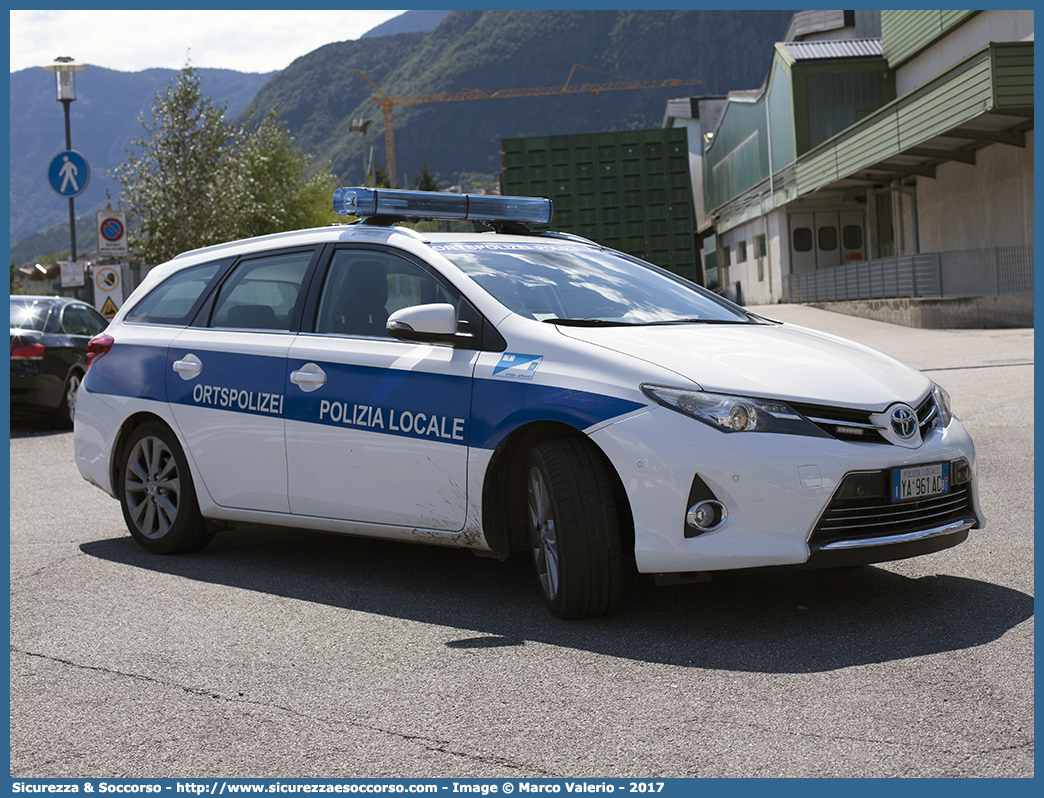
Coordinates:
428 323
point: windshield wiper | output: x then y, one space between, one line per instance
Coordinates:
664 322
589 323
695 320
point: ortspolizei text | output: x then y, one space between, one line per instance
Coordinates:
233 398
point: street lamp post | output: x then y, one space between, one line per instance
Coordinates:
65 83
359 125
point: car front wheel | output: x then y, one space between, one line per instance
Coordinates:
574 529
157 495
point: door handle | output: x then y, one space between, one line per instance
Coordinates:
309 377
188 367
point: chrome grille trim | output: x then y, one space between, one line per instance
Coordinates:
926 412
910 537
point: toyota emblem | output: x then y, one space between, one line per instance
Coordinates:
904 422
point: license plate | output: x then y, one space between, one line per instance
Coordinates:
920 482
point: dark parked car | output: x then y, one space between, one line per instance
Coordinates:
49 336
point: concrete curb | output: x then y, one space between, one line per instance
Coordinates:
988 312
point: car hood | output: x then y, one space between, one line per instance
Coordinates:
780 361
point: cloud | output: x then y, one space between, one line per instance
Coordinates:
129 41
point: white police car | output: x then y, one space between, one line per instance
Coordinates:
504 392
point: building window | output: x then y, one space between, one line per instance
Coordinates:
852 236
726 256
827 238
802 239
741 251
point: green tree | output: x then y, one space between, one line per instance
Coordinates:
192 179
424 180
271 185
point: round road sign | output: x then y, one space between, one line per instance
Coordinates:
107 279
112 229
68 173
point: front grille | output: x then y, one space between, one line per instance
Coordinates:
926 413
848 424
871 516
842 423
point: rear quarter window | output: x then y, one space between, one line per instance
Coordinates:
176 300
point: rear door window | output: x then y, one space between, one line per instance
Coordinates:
262 293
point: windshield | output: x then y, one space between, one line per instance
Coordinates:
28 315
565 283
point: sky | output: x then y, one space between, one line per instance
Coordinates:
129 41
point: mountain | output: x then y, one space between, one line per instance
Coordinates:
407 22
103 119
321 92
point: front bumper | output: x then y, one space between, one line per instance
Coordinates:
776 490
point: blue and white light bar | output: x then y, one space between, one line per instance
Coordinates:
435 205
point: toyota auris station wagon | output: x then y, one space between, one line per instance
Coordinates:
508 391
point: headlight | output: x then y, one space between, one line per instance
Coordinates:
734 413
942 401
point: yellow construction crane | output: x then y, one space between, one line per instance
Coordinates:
388 103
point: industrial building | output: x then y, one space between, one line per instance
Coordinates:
886 160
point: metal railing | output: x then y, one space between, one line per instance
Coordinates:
999 271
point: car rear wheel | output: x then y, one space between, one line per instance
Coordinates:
66 411
574 529
157 495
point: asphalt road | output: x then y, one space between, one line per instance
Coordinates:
280 653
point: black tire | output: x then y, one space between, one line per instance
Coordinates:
66 412
574 529
157 494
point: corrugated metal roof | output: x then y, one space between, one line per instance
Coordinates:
844 48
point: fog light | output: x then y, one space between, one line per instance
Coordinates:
961 472
706 516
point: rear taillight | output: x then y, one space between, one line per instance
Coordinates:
98 346
27 351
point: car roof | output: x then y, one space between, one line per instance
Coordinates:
363 233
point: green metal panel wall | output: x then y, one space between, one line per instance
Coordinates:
629 190
835 100
738 157
906 33
1013 71
967 91
781 117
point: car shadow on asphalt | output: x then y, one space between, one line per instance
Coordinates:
761 621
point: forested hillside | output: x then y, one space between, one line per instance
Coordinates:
407 22
319 93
